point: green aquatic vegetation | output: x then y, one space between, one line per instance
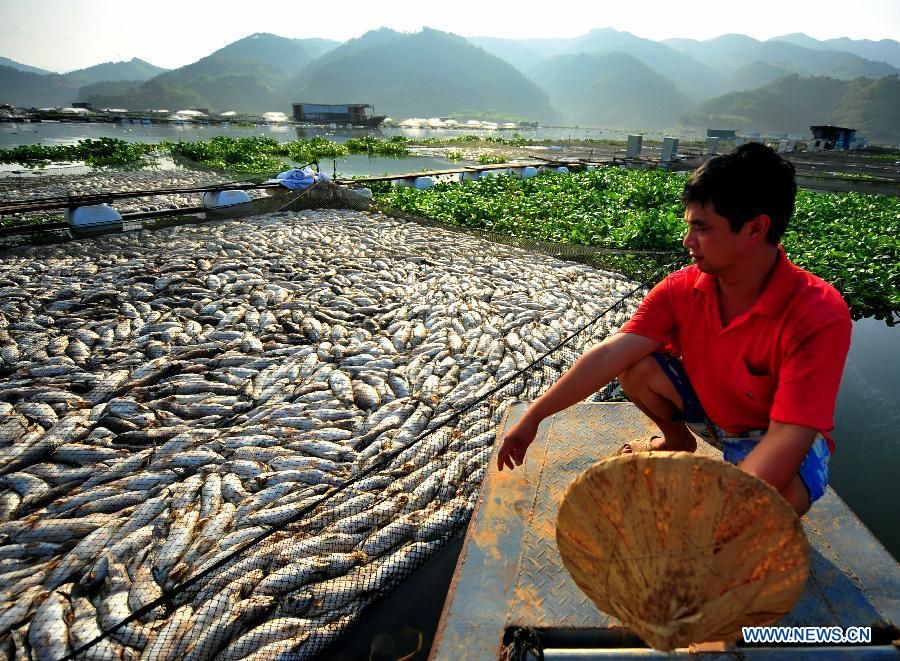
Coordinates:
247 155
253 155
112 152
857 176
515 141
99 153
603 207
36 156
30 219
489 159
395 147
256 155
307 151
448 141
851 240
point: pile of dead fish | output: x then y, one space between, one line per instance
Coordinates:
167 397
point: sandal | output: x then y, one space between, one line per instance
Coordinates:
639 445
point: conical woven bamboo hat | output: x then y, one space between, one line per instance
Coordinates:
682 548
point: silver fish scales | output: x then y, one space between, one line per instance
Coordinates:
233 334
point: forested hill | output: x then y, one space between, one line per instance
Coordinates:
246 76
26 89
424 74
611 90
793 103
134 69
6 62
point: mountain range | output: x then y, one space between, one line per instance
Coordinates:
25 86
603 78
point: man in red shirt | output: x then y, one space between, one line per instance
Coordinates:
742 348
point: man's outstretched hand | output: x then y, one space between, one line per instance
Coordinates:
516 442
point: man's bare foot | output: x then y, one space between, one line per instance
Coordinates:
658 443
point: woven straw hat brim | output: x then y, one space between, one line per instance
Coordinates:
682 548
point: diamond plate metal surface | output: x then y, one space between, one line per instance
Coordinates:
547 595
510 573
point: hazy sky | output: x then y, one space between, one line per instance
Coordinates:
62 35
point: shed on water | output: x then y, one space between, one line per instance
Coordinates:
357 114
834 137
722 134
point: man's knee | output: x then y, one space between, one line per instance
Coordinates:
646 379
639 373
797 495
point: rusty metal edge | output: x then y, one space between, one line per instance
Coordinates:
457 572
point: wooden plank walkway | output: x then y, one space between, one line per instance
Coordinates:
514 165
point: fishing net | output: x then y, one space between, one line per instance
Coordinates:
229 439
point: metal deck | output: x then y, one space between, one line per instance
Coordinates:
510 574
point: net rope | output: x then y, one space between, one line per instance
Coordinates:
383 461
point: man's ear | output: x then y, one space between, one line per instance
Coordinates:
758 228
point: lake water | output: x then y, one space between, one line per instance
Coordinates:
864 468
53 133
67 133
56 133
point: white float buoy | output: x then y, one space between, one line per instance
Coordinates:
423 183
93 216
562 168
224 198
529 171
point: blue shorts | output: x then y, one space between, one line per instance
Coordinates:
735 447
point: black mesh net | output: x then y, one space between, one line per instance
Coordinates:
226 440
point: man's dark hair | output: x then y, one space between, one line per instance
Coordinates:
747 182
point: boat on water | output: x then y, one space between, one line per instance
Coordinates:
354 114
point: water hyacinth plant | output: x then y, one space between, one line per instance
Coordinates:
99 153
255 155
397 146
252 155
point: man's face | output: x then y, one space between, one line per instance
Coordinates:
709 239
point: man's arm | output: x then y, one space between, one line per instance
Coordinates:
777 457
593 370
804 401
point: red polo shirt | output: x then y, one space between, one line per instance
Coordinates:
781 360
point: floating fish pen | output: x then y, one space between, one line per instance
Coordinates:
228 439
85 212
